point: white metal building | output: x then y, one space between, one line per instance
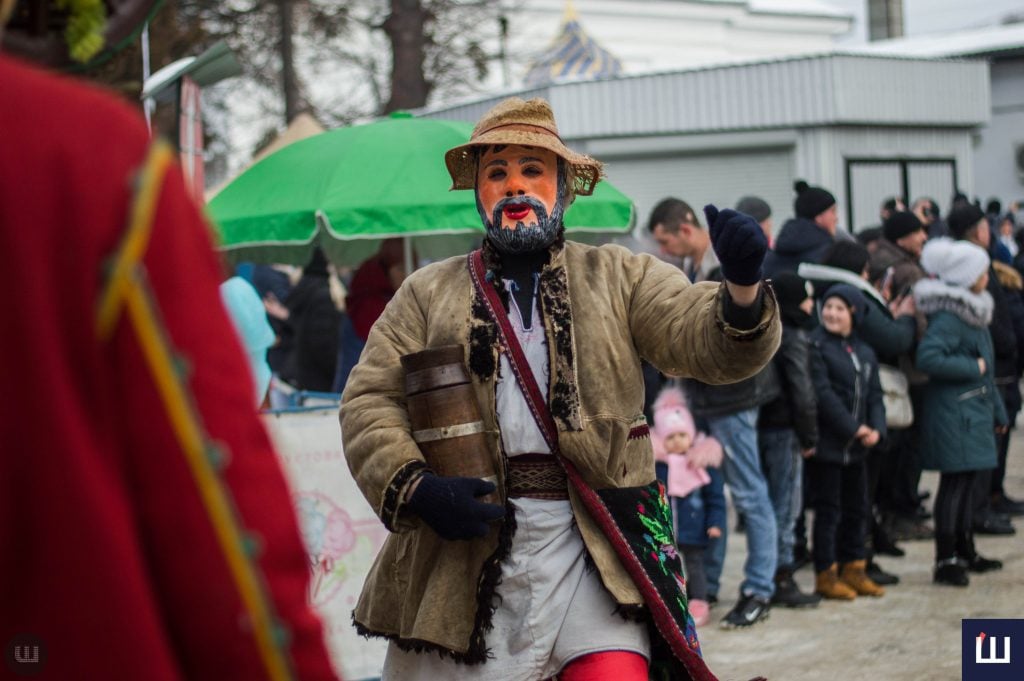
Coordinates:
999 145
863 126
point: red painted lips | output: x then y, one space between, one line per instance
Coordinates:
517 211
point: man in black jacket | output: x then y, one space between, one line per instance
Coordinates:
787 428
809 235
729 413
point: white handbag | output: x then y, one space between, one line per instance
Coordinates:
899 410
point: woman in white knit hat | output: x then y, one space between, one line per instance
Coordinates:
962 408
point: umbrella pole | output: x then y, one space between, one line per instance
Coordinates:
409 264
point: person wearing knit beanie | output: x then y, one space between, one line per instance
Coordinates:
896 258
853 299
900 224
957 263
671 417
686 461
965 218
808 235
962 412
811 201
757 208
851 422
905 231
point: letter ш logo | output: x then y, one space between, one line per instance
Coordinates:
987 653
25 655
981 657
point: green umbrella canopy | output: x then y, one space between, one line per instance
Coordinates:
349 188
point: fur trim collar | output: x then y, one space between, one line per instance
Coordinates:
974 309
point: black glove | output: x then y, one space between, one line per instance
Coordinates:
739 243
450 507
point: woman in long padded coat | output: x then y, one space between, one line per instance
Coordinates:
962 408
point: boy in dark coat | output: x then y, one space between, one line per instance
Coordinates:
851 420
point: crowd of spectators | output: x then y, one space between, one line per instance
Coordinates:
902 351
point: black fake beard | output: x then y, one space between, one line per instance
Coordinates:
526 237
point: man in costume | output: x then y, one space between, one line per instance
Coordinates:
565 578
145 526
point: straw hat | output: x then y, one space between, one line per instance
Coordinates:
525 123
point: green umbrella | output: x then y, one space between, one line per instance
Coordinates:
349 188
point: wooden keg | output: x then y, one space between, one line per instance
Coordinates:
445 416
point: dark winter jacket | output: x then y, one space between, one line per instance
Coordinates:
700 509
315 322
888 337
796 406
267 280
961 407
1009 386
1004 336
708 401
845 374
799 240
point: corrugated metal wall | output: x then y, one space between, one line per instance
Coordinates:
720 178
799 92
713 134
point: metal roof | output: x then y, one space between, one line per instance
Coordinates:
833 89
988 41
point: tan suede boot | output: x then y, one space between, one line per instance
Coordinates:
828 585
854 576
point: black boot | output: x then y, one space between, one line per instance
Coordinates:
1004 504
788 594
801 556
880 576
884 544
950 571
975 563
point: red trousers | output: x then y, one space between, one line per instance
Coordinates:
615 664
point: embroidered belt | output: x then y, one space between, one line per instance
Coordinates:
537 476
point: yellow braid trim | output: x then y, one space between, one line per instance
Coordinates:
135 241
128 285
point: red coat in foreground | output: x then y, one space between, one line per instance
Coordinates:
146 531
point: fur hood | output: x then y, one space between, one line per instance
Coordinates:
974 309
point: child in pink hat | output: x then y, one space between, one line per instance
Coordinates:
688 461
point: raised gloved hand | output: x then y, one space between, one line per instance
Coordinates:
450 507
739 243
